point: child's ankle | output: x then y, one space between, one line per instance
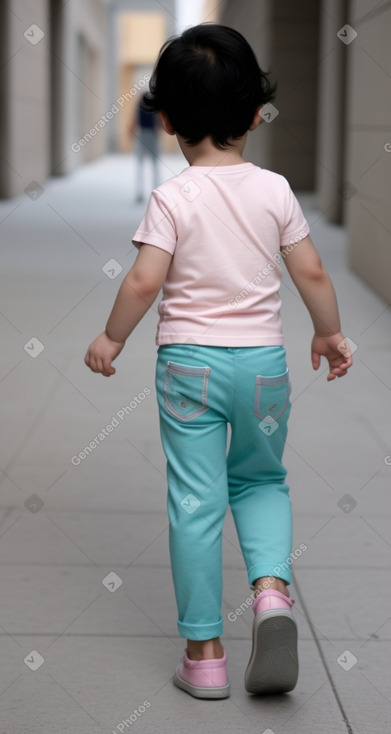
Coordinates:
204 650
269 582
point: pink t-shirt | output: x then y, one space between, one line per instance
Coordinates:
224 226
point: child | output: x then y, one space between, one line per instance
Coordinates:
213 238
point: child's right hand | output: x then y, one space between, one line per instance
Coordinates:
101 353
339 359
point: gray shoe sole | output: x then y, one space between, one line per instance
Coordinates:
273 666
201 692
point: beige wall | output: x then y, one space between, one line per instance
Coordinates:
140 37
368 163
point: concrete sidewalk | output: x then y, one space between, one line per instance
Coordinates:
87 614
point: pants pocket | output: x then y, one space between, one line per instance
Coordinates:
186 390
271 396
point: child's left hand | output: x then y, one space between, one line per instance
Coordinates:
101 353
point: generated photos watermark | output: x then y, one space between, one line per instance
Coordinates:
132 718
114 423
260 275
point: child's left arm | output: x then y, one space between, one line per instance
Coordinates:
137 293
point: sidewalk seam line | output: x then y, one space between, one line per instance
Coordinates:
322 657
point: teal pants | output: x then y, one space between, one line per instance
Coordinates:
200 389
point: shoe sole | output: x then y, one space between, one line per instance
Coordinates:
273 666
200 691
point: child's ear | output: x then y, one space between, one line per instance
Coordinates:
166 123
257 118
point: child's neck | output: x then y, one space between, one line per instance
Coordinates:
206 154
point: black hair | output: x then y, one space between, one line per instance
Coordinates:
208 82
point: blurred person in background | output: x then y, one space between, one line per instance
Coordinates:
144 130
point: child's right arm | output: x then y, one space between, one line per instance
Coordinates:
316 289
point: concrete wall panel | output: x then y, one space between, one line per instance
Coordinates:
27 102
284 37
368 153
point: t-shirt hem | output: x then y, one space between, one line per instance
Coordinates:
223 341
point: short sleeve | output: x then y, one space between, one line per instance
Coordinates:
295 226
158 225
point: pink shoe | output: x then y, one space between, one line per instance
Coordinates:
273 666
203 678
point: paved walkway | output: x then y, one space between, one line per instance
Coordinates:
87 614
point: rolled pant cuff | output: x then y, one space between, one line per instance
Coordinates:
257 572
201 631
